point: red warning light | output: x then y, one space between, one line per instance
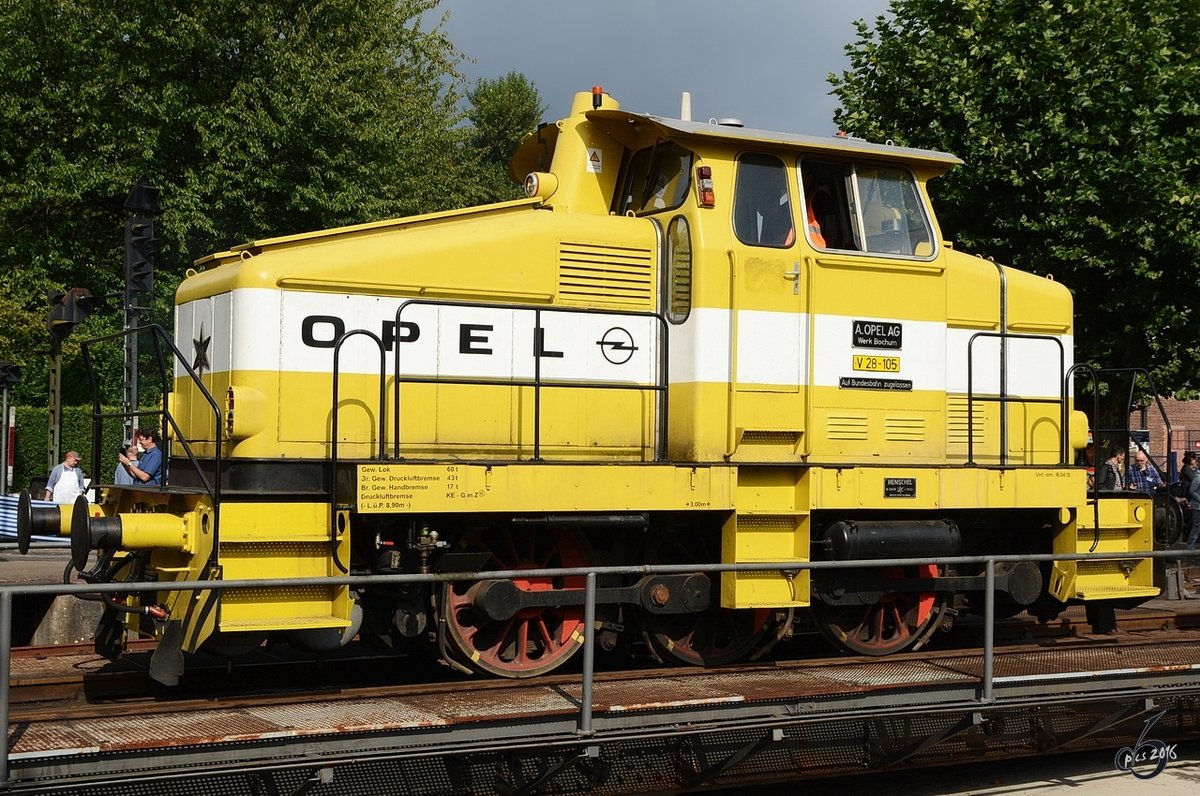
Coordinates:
705 196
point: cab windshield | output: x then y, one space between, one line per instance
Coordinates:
656 179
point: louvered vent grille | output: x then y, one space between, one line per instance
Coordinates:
904 429
846 427
956 421
591 274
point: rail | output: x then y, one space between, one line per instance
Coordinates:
1004 399
1095 377
538 383
662 367
161 340
984 698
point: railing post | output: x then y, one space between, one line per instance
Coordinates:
5 673
589 654
989 629
538 342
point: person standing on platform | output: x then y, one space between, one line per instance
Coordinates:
66 480
147 470
1143 477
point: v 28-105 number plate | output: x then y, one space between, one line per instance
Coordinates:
876 364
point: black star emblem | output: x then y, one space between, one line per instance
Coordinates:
200 346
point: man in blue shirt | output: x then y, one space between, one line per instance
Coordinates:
148 469
1143 477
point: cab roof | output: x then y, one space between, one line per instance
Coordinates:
636 130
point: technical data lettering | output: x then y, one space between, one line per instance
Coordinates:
385 488
456 487
860 383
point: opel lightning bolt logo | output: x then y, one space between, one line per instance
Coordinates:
617 345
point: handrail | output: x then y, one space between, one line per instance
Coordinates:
1093 493
1134 374
160 337
1004 399
333 428
1086 370
986 696
660 386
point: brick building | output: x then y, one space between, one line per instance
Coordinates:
1184 417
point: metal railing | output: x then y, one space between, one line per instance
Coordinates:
1094 377
1003 398
165 353
538 383
986 695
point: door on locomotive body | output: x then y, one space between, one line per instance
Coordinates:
656 183
733 294
767 324
878 313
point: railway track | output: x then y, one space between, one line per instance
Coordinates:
96 691
54 682
1060 689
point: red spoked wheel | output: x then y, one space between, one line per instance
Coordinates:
896 622
716 636
535 640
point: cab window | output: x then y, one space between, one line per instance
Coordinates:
657 178
679 270
864 207
762 210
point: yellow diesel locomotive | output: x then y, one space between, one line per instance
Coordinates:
692 343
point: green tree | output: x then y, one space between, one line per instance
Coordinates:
1080 127
502 112
255 118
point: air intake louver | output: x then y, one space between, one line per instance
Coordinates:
593 274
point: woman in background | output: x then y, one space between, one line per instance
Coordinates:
1188 471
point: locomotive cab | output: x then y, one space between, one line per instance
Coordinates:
690 344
